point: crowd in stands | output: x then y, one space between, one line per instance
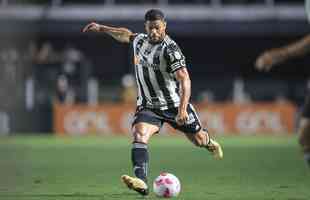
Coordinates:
46 64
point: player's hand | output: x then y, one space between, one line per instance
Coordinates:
182 117
91 27
267 60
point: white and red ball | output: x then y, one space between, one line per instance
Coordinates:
166 185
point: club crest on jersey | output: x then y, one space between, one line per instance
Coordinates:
174 56
177 55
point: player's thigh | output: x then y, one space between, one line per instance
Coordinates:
143 131
192 128
192 125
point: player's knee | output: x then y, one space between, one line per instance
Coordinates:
140 136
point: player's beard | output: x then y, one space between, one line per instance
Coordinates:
156 38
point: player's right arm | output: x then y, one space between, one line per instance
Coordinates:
118 33
273 57
176 66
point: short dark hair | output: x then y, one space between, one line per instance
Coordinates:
154 14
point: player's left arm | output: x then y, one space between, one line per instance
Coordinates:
185 82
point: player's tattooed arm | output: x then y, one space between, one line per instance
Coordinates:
120 34
183 77
276 56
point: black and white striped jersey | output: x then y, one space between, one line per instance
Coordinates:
155 67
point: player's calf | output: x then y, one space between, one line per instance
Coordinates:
199 139
140 159
202 139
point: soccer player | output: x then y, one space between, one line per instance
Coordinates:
277 56
164 90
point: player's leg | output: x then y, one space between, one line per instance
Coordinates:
145 125
304 138
304 130
203 139
194 132
142 132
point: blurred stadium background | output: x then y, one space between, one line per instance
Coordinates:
56 80
45 60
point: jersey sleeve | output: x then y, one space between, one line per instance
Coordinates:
174 58
133 37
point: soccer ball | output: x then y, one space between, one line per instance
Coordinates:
166 185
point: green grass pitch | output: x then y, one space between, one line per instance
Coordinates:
89 168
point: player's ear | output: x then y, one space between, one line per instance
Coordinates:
145 25
165 24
